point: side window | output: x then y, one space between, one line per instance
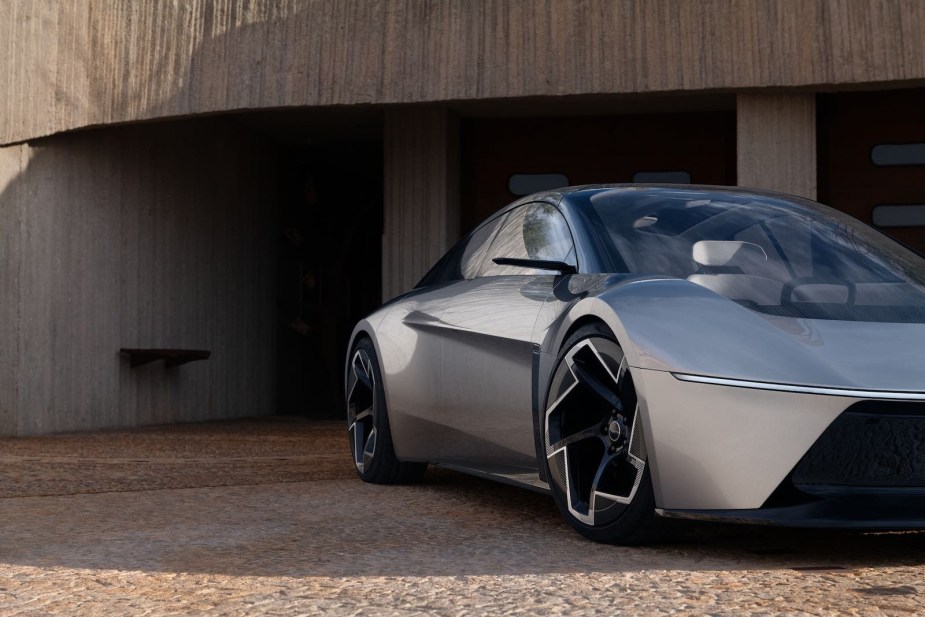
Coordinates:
477 247
463 260
533 231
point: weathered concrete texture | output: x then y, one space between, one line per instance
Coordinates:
152 236
70 64
305 536
776 142
421 210
11 164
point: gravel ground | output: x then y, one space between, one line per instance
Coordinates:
267 517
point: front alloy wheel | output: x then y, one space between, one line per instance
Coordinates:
595 446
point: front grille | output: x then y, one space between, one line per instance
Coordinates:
872 444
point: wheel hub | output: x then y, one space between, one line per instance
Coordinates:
614 432
617 431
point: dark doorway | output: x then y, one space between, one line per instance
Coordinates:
329 273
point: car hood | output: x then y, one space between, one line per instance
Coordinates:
677 326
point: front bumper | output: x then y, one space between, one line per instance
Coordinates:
822 513
784 456
866 471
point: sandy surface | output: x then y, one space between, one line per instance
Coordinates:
267 517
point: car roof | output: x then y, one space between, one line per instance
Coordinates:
587 190
575 193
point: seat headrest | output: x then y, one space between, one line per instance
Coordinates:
727 252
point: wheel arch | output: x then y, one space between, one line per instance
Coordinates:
581 322
592 310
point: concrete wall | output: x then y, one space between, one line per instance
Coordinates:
421 211
147 236
77 63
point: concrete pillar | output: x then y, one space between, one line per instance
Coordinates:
12 161
776 138
421 193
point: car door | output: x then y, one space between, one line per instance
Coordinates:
489 338
412 337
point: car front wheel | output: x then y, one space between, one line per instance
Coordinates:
595 445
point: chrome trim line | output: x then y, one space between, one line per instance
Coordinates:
782 387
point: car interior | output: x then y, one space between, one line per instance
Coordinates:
774 257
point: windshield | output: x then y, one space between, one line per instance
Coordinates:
781 256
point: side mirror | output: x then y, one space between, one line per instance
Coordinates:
537 264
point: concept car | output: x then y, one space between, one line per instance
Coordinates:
647 352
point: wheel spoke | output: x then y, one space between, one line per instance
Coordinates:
628 467
369 449
636 447
356 434
361 394
585 433
588 379
362 372
605 464
368 413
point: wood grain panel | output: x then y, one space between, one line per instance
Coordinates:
590 150
88 62
139 237
421 210
776 137
851 125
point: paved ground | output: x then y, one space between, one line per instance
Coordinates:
267 517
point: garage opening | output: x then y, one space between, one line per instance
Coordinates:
872 159
329 247
506 158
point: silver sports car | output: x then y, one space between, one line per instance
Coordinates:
648 352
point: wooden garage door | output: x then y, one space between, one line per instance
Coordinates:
872 159
501 154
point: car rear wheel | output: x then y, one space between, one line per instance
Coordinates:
595 447
368 422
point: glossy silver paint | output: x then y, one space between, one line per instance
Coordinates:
457 371
730 398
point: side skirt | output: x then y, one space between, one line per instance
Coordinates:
527 480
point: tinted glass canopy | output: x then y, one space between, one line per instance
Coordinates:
774 254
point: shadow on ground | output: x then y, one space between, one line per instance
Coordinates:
279 498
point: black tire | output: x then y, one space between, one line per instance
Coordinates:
368 430
595 455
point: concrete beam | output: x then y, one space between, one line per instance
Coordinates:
421 194
776 142
78 63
